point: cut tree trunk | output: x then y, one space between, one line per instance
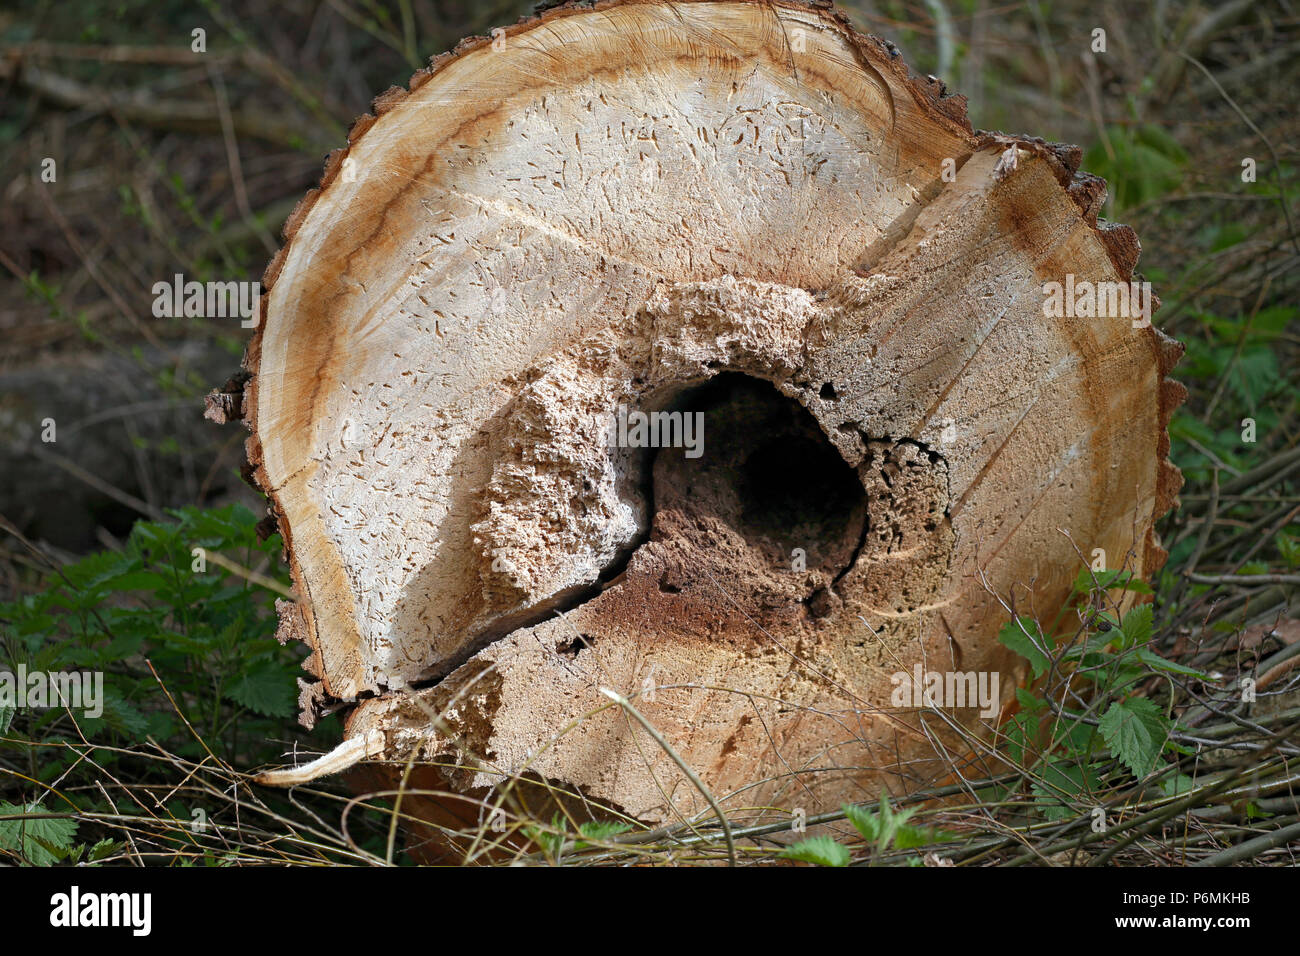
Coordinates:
739 213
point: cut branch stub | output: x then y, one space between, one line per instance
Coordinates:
738 214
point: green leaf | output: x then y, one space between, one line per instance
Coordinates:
1025 638
267 690
121 716
1156 662
864 821
888 829
1029 701
1075 735
1255 812
40 842
1288 545
1022 733
138 581
1177 785
1139 163
599 832
909 838
550 839
1063 781
1088 581
104 848
1254 374
891 823
98 570
1135 730
821 850
1137 626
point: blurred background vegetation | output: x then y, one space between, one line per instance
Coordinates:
171 162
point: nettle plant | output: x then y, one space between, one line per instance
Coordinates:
190 671
883 830
1085 727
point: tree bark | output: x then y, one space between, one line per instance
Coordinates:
738 210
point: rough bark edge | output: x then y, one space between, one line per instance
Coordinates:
929 92
226 404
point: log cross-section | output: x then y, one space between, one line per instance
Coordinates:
741 215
